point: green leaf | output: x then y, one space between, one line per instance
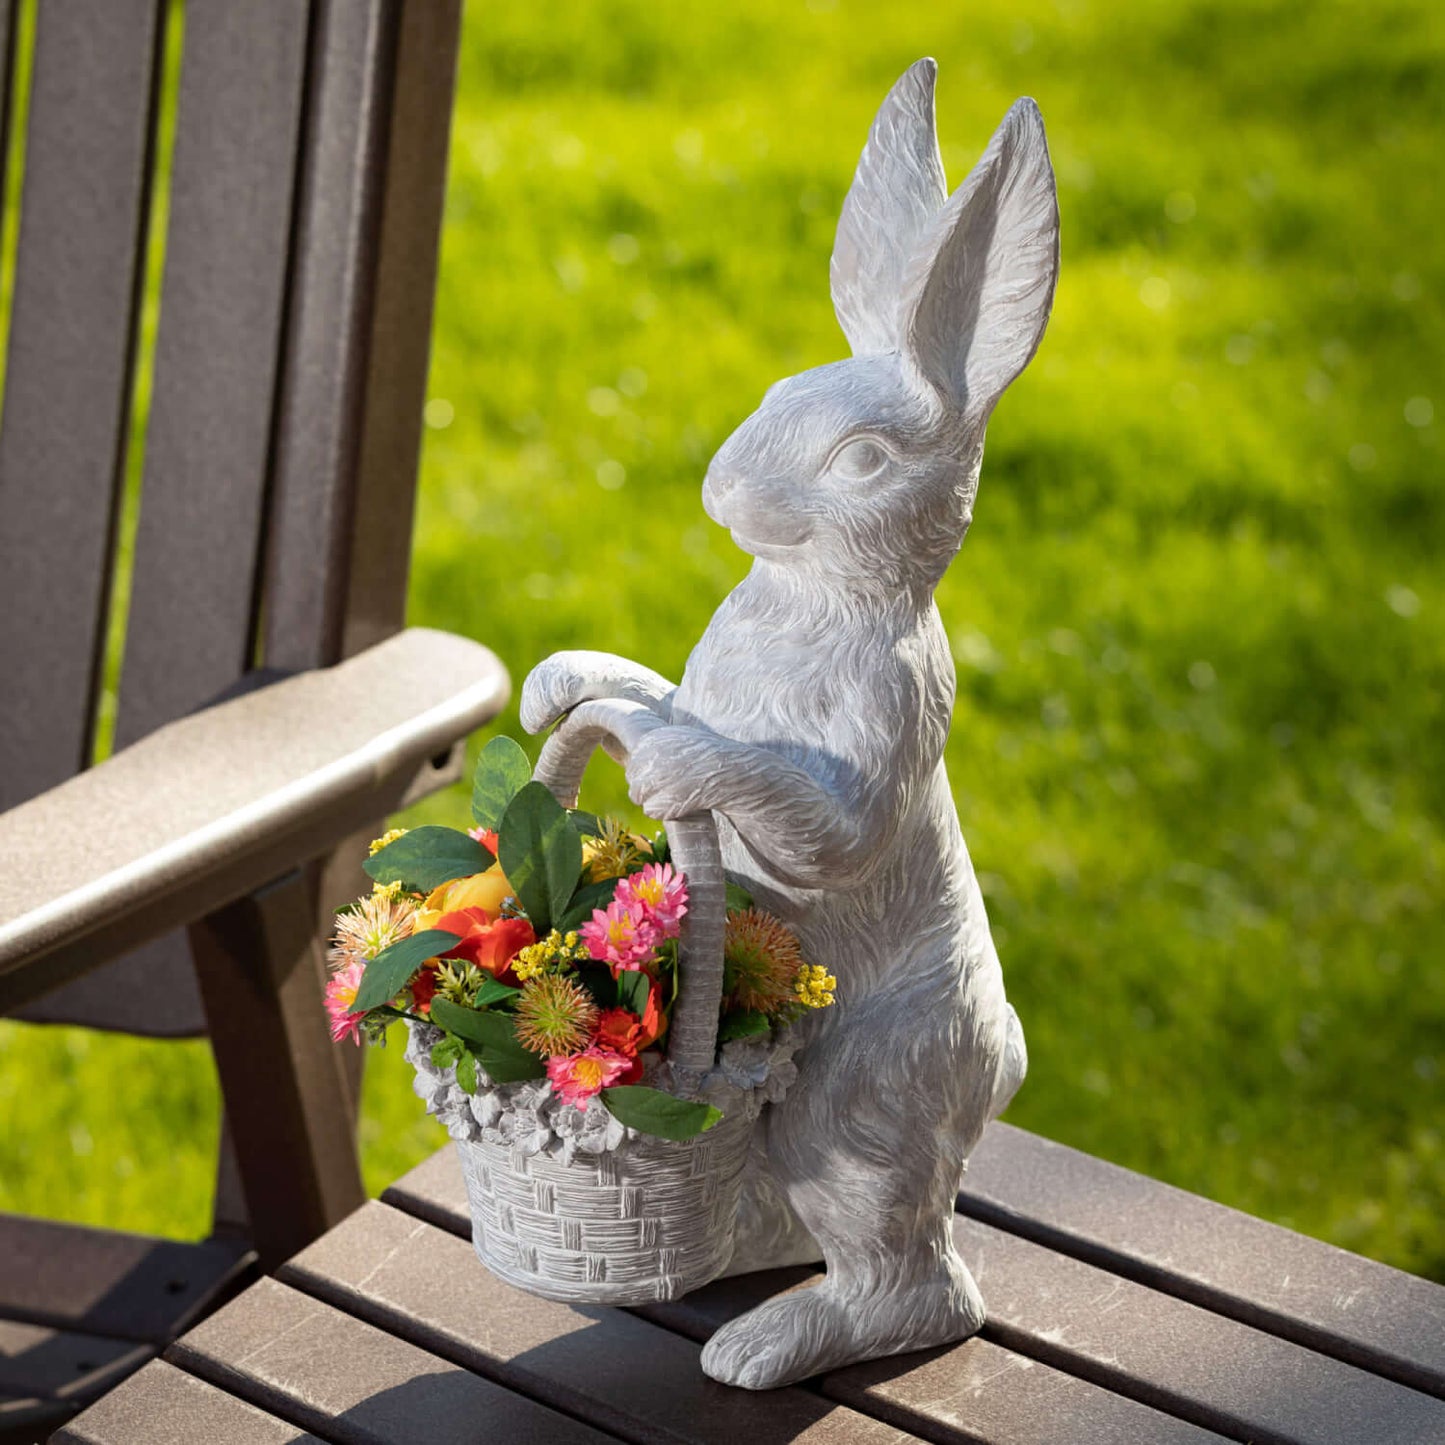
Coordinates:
392 969
587 824
587 897
541 854
743 1025
650 1111
511 1068
661 849
493 992
502 772
633 988
597 979
427 857
446 1051
739 899
492 1036
467 1073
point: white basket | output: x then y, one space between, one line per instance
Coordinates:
566 1202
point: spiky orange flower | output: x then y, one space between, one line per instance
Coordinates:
555 1015
761 960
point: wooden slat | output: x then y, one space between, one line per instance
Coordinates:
162 1405
350 425
625 1375
977 1392
324 1370
63 1365
102 1282
1387 1321
1181 1358
7 84
217 354
67 376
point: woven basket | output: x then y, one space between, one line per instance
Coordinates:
568 1204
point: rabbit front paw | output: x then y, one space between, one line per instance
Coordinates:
674 772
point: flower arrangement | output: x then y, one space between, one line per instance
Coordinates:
542 943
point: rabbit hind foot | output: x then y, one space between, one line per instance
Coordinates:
808 1331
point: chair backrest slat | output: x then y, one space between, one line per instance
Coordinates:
67 382
350 423
223 295
7 83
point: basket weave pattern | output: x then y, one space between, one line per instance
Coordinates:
622 1227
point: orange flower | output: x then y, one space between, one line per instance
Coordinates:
423 987
490 943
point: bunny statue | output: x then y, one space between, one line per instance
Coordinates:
811 722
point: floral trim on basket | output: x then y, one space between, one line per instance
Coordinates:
534 959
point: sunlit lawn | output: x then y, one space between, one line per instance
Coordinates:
1197 748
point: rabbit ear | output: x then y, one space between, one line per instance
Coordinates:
980 285
897 191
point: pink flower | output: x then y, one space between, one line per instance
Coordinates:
622 936
586 1074
340 996
659 893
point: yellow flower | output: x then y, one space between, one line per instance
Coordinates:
554 949
481 890
385 841
612 853
388 891
815 986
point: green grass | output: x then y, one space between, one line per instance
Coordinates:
1197 748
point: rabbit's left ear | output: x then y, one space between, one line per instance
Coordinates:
978 289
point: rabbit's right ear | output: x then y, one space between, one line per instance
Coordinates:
980 285
898 190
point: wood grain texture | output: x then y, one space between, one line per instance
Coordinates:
1383 1319
67 377
161 1405
299 1358
103 1282
976 1391
624 1374
217 358
1182 1358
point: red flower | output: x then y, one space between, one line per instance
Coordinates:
624 1032
490 944
423 987
486 837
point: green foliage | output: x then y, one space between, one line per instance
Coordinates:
491 1038
391 970
424 858
502 771
1197 748
654 1112
541 854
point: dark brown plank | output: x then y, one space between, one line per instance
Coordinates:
217 354
978 1391
67 375
100 1281
630 1377
326 1371
7 85
350 421
63 1365
1180 1357
162 1405
1387 1321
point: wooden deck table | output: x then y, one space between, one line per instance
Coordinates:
1121 1310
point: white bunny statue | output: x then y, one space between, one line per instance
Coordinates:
811 722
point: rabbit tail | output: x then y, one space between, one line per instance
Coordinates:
1014 1066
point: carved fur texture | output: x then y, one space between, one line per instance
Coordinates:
811 720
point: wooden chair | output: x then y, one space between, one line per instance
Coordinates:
270 709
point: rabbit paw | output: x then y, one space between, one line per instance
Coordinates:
553 687
673 772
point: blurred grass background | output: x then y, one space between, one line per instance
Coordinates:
1197 749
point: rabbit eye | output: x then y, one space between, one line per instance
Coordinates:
859 460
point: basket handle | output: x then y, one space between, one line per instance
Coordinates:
618 726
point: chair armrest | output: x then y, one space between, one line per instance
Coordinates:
211 806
